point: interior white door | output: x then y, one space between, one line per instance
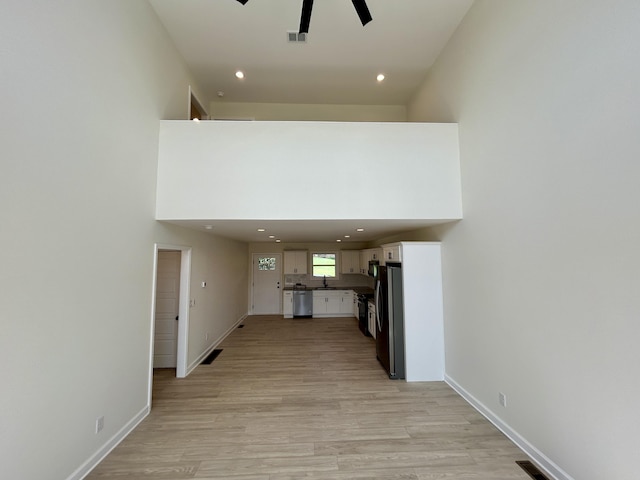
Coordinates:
167 305
267 275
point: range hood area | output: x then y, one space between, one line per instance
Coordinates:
308 171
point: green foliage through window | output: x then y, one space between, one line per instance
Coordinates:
324 265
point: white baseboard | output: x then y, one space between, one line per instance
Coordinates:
112 443
213 346
536 455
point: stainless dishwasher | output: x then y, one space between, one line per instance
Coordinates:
302 301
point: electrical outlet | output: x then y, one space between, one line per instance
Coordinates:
99 424
502 399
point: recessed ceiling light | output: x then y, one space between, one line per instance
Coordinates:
359 229
347 236
338 240
240 74
261 229
208 227
278 241
380 77
272 236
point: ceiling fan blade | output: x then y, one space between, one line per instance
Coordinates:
363 11
244 2
305 18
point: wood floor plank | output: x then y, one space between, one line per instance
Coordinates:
227 468
383 460
398 473
227 451
291 399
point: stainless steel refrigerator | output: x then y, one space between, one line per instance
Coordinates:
390 320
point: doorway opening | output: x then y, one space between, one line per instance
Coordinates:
173 262
196 110
165 341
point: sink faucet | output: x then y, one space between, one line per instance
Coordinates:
324 281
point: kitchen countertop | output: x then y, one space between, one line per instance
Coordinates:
357 289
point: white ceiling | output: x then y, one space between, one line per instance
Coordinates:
338 65
305 231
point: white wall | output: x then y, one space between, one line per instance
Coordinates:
541 277
219 170
84 83
314 112
223 264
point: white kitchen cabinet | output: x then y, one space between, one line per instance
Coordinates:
346 303
355 310
392 253
329 303
325 303
287 304
350 261
364 261
333 303
368 255
295 262
371 316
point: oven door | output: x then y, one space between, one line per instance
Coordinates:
363 312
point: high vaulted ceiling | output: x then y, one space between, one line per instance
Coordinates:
337 65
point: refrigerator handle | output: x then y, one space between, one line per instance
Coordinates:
378 306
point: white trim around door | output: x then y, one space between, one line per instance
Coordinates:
183 309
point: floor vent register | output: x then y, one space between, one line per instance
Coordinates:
212 356
532 470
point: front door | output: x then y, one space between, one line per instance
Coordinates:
167 305
267 294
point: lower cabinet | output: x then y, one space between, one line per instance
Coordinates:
371 316
287 304
332 303
346 303
356 309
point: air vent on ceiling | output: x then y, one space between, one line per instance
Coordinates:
295 37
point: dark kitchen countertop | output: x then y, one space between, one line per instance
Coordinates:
362 290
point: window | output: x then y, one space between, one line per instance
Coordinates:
323 265
266 263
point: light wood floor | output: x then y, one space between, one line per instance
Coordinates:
307 399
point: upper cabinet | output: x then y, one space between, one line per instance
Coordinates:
364 261
391 253
350 261
201 166
295 262
369 255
